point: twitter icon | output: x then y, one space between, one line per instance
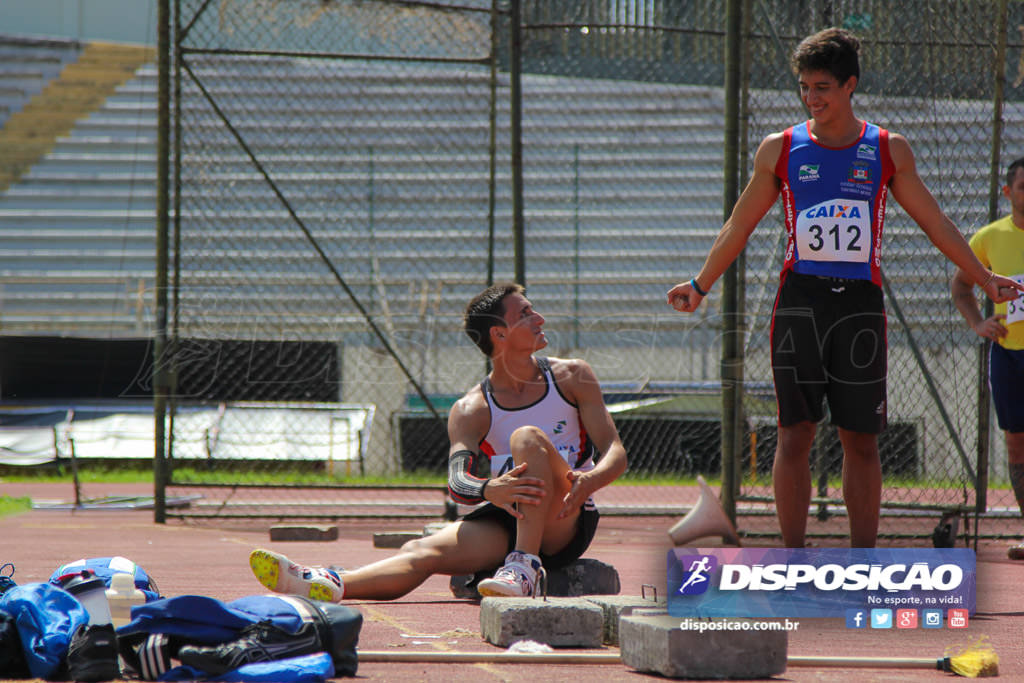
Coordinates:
881 618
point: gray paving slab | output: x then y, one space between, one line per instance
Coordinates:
616 606
394 539
727 649
303 532
558 622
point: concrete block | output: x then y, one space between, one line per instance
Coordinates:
394 539
657 644
432 528
616 606
558 622
585 576
303 532
582 577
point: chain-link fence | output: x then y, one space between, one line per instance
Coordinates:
935 84
345 186
336 167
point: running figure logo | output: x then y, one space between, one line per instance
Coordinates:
696 574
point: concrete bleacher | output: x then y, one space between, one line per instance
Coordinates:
623 196
27 65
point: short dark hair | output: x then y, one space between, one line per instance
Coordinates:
1011 171
486 310
834 50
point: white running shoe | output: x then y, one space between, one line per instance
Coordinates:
281 575
516 579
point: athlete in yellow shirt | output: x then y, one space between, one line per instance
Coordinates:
1000 247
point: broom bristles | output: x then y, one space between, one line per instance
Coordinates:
976 660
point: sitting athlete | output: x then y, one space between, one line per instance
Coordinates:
550 442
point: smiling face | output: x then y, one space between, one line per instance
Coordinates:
827 100
523 326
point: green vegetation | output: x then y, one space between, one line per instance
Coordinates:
315 474
134 472
105 472
13 506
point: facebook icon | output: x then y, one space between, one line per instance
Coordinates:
856 618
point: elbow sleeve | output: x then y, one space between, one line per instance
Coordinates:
462 484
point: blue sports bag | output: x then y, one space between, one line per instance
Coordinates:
106 567
46 618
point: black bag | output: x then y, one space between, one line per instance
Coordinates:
338 627
92 655
12 657
6 572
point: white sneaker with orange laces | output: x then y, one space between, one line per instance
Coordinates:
281 575
516 579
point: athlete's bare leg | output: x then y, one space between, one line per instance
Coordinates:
539 529
791 480
468 547
862 486
1015 460
460 548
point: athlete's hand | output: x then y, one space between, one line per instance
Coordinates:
684 298
512 489
992 328
1001 289
577 495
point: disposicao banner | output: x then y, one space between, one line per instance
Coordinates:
825 582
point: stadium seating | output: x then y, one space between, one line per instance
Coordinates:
387 168
26 66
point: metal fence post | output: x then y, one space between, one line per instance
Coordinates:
160 377
515 68
984 415
732 335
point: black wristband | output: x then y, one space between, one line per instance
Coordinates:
693 283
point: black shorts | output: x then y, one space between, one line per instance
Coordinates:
586 527
828 339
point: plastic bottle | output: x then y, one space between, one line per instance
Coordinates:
91 592
122 596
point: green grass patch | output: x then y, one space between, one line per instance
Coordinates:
129 472
14 506
290 476
315 473
642 479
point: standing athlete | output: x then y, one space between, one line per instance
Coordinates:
542 430
1000 246
834 173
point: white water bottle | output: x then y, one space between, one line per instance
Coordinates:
122 596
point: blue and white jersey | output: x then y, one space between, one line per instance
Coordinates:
834 203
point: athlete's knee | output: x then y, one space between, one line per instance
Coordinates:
422 555
794 442
529 438
1015 447
859 446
